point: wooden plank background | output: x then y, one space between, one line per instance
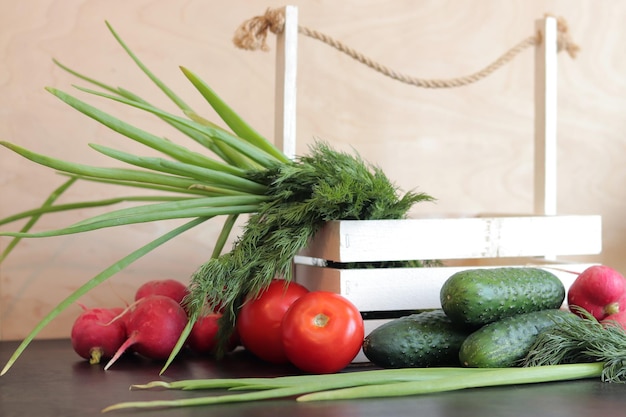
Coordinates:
470 147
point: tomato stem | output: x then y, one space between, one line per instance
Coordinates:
321 320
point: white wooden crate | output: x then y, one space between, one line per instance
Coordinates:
382 294
537 239
399 290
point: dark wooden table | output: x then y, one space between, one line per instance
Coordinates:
51 380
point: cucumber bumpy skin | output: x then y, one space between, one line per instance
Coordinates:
481 296
505 343
419 340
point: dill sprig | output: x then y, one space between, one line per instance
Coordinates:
322 186
582 340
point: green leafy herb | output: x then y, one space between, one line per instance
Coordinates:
321 187
582 340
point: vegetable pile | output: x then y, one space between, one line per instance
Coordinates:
151 326
489 318
511 317
242 173
316 331
434 353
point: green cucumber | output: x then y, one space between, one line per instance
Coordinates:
505 343
484 295
418 340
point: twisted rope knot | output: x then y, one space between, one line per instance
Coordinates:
564 39
252 35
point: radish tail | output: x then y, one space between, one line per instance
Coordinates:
128 343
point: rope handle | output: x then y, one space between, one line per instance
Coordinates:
252 35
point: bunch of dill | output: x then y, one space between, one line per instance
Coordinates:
322 186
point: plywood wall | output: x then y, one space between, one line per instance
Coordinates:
470 147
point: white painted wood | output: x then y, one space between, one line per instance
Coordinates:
286 71
457 238
391 289
545 181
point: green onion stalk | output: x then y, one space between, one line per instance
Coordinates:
573 349
242 172
357 385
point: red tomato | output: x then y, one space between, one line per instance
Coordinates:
322 332
259 320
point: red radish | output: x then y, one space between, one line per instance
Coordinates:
600 290
176 290
618 319
97 334
203 336
153 326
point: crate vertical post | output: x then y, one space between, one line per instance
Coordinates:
286 69
545 164
545 180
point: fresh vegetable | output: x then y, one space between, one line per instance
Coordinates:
303 197
418 340
322 332
242 172
258 323
618 319
584 340
34 216
600 290
172 288
153 327
97 333
203 336
506 342
364 384
484 295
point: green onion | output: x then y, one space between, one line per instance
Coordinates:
498 377
200 186
50 208
232 119
361 384
242 173
35 215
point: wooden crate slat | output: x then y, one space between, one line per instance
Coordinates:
457 238
391 289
